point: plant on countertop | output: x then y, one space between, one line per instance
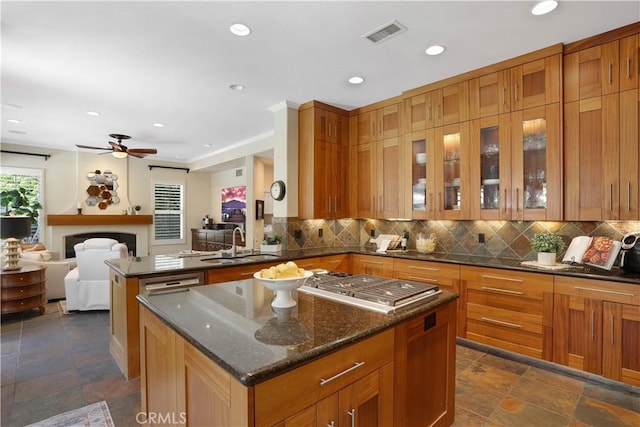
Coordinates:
273 240
547 242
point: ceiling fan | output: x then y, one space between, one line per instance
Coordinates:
122 151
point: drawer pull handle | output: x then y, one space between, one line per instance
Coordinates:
356 365
502 291
509 279
612 330
424 268
422 279
331 424
501 323
626 294
372 262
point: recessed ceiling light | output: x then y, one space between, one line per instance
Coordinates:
356 80
544 7
436 49
240 30
207 145
14 121
159 125
93 113
236 86
19 132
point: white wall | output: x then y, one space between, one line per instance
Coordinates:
65 184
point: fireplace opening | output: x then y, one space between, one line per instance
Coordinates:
70 241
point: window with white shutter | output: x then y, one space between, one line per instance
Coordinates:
168 213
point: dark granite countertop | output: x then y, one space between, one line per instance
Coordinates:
166 264
234 325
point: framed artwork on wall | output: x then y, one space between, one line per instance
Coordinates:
234 204
259 209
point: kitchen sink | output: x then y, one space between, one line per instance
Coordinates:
221 261
260 257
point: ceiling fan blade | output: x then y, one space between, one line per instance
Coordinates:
142 150
138 155
93 148
116 146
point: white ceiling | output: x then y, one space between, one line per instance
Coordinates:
142 62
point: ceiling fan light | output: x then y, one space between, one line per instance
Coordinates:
119 154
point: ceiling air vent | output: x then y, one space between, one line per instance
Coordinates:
385 32
238 172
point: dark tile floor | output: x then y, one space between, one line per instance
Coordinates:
55 362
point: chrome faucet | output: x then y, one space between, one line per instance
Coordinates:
234 250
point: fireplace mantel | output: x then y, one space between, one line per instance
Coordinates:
99 219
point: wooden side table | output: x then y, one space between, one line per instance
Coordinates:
24 289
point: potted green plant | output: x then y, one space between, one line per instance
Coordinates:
271 244
547 245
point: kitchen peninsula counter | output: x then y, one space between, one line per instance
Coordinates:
168 264
224 347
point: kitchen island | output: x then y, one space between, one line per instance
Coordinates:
220 355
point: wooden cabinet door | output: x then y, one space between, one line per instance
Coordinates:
367 127
388 174
577 332
365 178
590 72
490 168
452 165
629 67
415 113
536 83
369 401
339 166
418 174
629 155
454 107
621 351
328 412
158 373
592 147
536 164
419 368
489 95
389 121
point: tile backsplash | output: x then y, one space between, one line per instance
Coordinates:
504 239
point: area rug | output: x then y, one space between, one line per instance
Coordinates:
62 304
95 415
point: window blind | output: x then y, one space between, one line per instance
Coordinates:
168 211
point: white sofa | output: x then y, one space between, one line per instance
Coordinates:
55 273
87 285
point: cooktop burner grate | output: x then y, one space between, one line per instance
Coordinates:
378 292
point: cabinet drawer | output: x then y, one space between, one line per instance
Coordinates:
371 264
598 289
22 291
295 390
426 269
10 306
504 282
508 337
307 263
24 278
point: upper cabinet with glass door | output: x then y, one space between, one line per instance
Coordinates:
490 168
452 165
419 176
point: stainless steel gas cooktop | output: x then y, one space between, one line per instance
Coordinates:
371 292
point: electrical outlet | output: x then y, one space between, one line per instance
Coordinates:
480 237
320 232
297 234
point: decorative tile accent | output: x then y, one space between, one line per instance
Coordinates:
505 239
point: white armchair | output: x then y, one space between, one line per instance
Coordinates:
87 286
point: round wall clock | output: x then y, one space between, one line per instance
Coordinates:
277 190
